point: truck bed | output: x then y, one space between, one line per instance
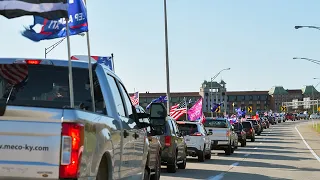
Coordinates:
30 140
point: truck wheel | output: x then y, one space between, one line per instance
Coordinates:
172 168
201 155
208 156
253 139
228 151
103 170
146 174
243 143
157 170
183 164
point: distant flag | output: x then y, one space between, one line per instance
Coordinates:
215 107
135 99
178 110
53 9
161 99
203 118
190 101
106 60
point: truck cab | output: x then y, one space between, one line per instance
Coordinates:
42 137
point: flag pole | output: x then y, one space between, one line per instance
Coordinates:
187 108
69 66
90 67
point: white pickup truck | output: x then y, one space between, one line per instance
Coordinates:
41 137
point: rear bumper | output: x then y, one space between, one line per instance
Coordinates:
219 145
192 151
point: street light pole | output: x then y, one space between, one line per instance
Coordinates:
311 27
211 86
308 59
167 54
50 48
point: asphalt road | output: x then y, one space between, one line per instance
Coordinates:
278 153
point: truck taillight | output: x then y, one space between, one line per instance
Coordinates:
71 149
251 129
167 140
196 134
228 133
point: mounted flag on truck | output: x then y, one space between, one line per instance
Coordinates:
53 9
52 29
106 60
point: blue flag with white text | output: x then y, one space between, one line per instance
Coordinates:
161 99
52 29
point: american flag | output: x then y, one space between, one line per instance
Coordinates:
135 99
203 118
14 73
178 110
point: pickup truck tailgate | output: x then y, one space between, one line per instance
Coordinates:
30 145
219 134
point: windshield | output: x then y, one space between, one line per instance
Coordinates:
254 122
246 125
216 123
188 129
42 85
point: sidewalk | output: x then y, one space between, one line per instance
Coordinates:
311 136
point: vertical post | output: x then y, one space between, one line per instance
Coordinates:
225 100
187 108
216 101
90 70
112 58
167 54
312 100
45 53
211 101
70 66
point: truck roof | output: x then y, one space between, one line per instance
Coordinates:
58 62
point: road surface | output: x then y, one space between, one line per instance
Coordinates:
279 153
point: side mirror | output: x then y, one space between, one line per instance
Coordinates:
156 131
232 127
209 133
158 110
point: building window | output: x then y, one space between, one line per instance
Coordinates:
258 102
250 102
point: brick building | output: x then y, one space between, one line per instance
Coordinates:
216 92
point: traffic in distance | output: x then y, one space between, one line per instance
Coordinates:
42 137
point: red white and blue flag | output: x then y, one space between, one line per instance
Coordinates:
106 60
178 110
135 99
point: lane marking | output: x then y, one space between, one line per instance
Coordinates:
217 177
255 148
305 142
234 164
260 143
246 155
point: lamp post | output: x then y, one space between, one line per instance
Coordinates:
308 59
211 86
311 27
314 87
167 54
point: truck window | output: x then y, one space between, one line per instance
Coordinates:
127 100
43 86
116 95
216 123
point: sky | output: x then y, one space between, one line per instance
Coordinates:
256 39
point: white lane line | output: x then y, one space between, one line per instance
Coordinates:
305 142
234 164
255 148
246 155
217 177
260 143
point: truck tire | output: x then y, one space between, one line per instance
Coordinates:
243 143
103 170
208 156
146 174
184 163
201 155
253 139
172 168
228 151
157 170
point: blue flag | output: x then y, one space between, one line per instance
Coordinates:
161 99
51 29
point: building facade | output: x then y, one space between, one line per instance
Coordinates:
216 92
